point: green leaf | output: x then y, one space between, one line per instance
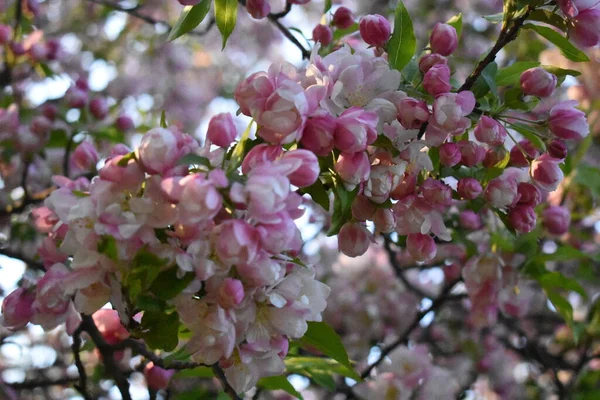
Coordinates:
589 177
194 159
198 372
556 280
342 207
163 119
322 337
341 33
512 74
318 194
160 330
279 383
239 151
107 245
560 72
327 6
486 82
548 17
58 138
566 47
326 381
529 133
494 18
403 43
225 15
223 396
564 308
456 22
321 365
167 285
190 17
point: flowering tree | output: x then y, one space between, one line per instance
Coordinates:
458 190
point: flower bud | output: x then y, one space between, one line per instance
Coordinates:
322 34
538 82
421 247
412 113
158 150
221 130
501 192
494 156
259 155
472 153
318 134
343 18
375 29
546 173
522 219
354 239
128 175
585 29
355 129
231 293
450 154
85 157
517 158
38 52
99 108
443 39
258 9
469 188
529 195
406 187
40 125
110 327
236 242
17 309
384 220
490 131
53 49
362 208
124 123
5 34
76 98
436 192
308 171
556 220
470 220
157 377
429 60
567 122
17 48
557 149
50 111
437 80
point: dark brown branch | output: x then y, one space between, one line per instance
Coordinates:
226 386
107 351
141 349
76 348
40 383
31 263
398 269
437 303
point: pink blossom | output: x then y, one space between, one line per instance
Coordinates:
44 219
538 82
99 108
501 192
421 247
17 308
343 18
384 220
585 31
85 157
375 29
197 198
354 239
557 149
157 377
443 39
490 131
450 154
546 173
322 34
412 113
308 168
259 155
353 168
449 116
231 293
556 220
494 156
5 33
571 8
470 220
355 129
383 179
109 325
529 195
124 123
517 158
437 80
221 130
158 150
522 218
362 208
429 60
318 134
258 8
472 153
469 188
436 192
567 122
276 237
236 242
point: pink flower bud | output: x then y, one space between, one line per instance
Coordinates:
109 325
158 150
353 168
529 195
421 247
354 239
412 113
522 219
308 171
53 49
557 149
40 125
450 154
556 220
38 52
437 80
17 309
375 29
157 377
322 34
517 158
231 293
99 108
571 8
362 208
501 192
469 188
128 175
567 122
452 272
443 39
44 219
236 242
538 82
258 8
76 98
494 156
277 237
124 123
50 111
259 155
546 173
429 60
318 134
221 130
355 129
5 34
406 187
470 220
384 220
17 48
585 29
472 153
85 157
490 131
436 192
343 18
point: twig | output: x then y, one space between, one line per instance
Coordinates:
226 386
76 348
107 351
437 303
398 269
39 383
141 349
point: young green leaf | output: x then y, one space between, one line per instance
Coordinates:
160 330
238 151
403 43
512 74
456 22
190 17
194 159
566 47
226 16
279 383
328 4
163 119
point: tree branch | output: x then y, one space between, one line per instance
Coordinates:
76 348
226 386
141 349
398 269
